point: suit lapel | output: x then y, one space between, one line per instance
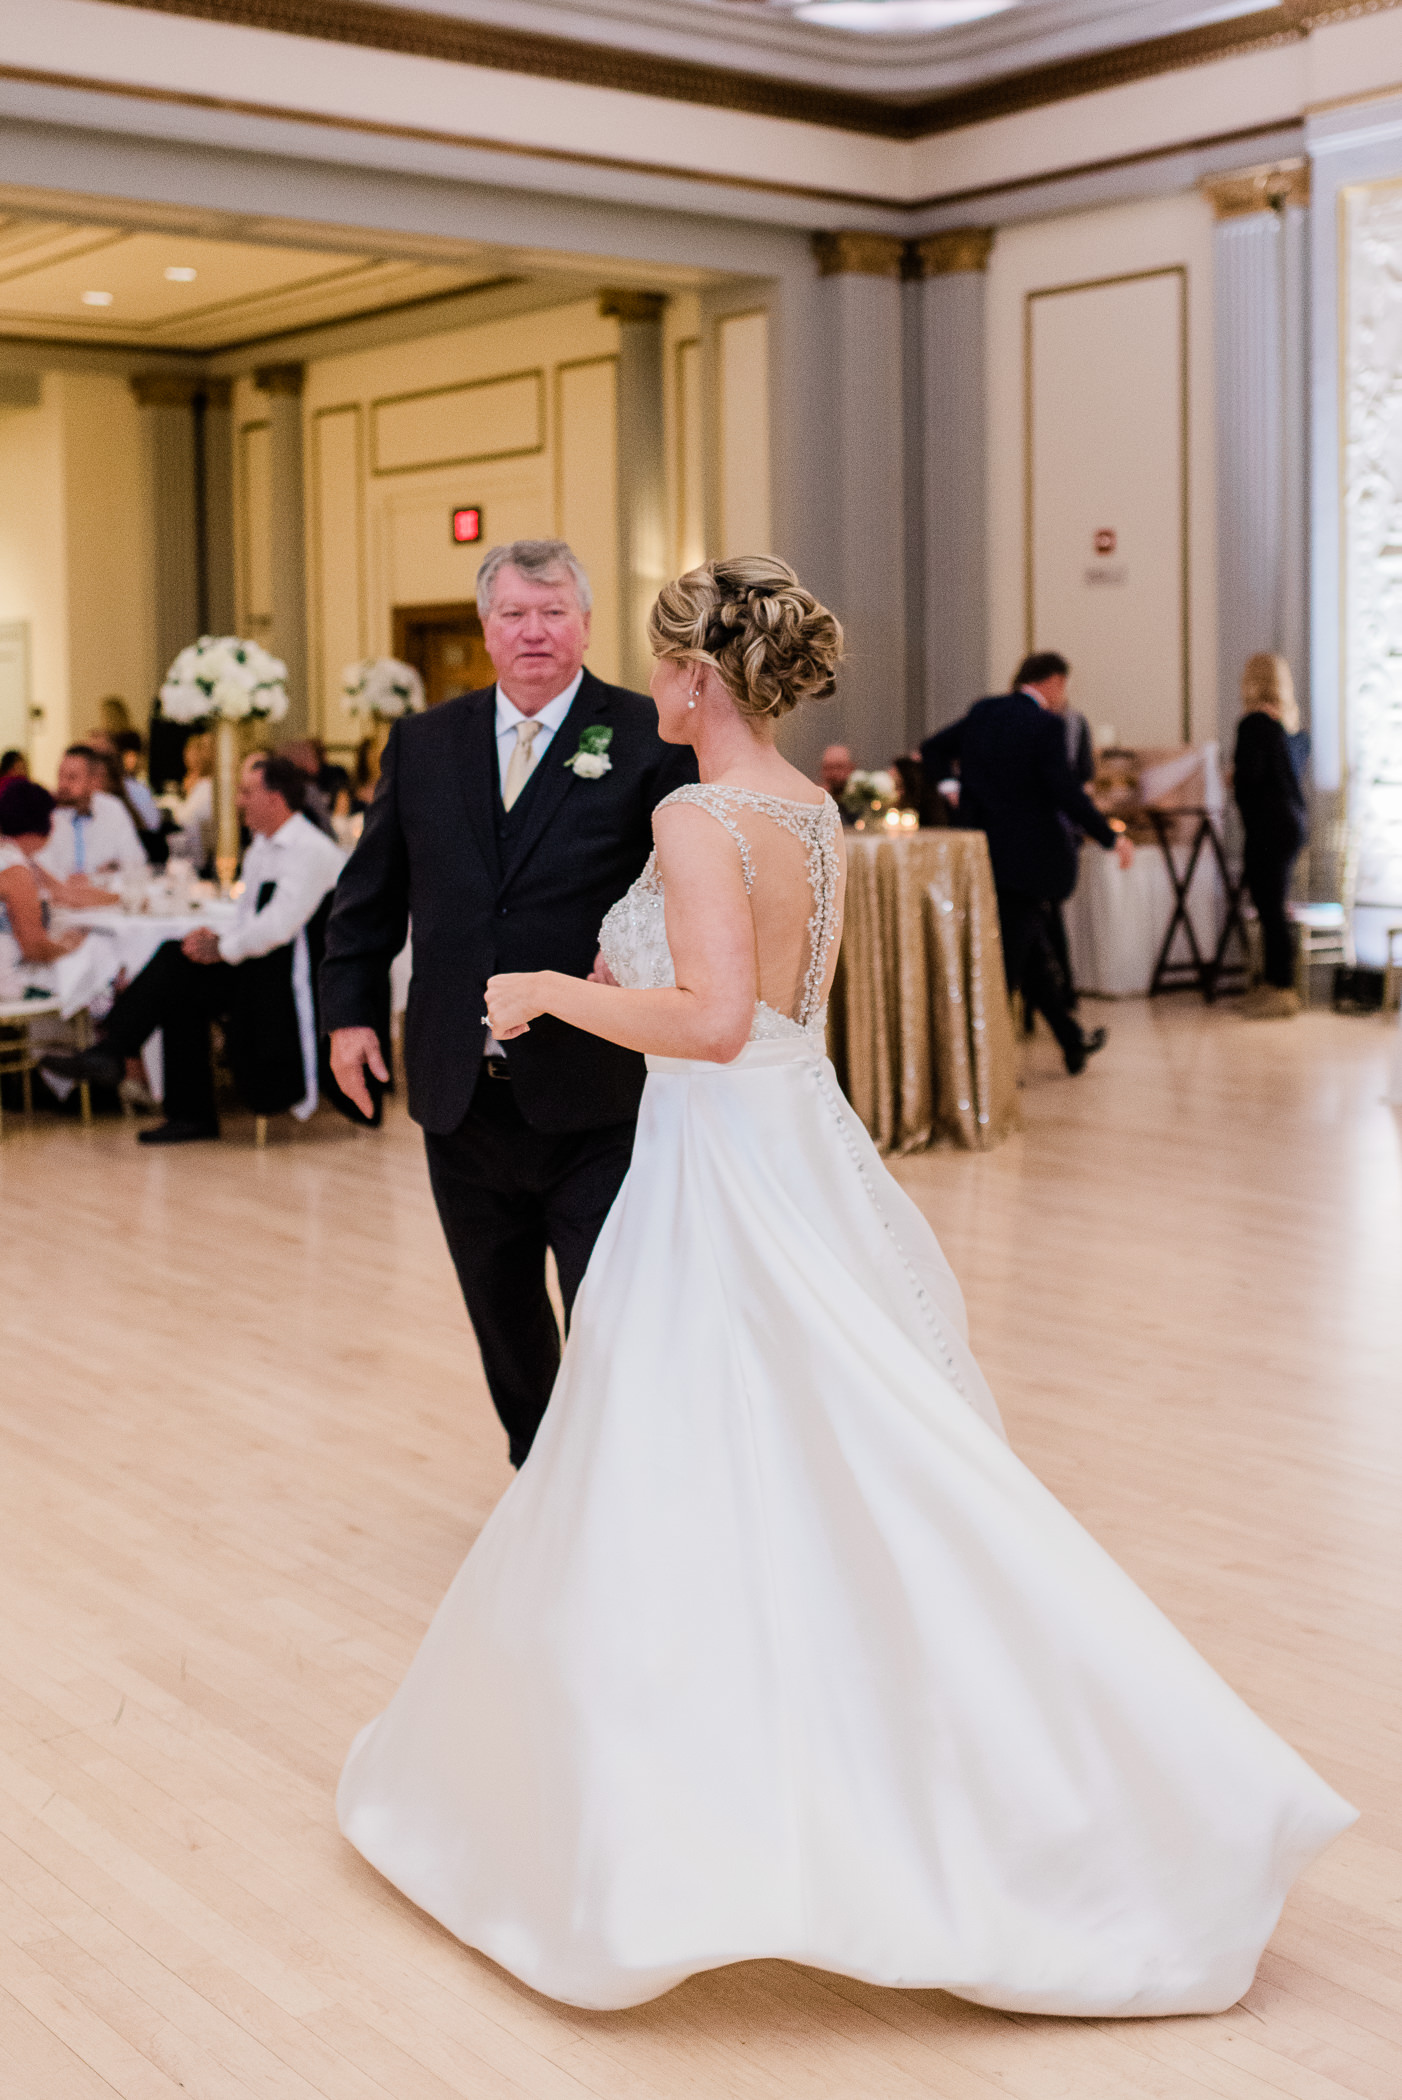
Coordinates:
554 778
477 775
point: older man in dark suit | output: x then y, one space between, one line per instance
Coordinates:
505 824
1017 786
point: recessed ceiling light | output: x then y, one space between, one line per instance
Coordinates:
97 298
180 273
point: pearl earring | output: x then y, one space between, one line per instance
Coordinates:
695 690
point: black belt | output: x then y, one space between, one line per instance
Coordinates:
496 1068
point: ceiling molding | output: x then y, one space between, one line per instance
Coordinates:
373 25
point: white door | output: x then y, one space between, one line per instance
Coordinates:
14 685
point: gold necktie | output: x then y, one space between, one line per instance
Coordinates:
518 771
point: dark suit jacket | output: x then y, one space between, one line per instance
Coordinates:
488 893
1016 785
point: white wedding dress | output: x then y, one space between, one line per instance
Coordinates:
774 1648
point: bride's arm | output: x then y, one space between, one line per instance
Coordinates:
711 935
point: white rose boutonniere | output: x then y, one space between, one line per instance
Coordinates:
591 761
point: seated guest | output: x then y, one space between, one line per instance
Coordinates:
306 754
116 782
835 769
194 815
248 977
94 838
26 949
131 752
13 766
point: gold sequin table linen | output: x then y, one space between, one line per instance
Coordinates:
919 1027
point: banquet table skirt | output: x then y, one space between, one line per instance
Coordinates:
1117 918
919 1025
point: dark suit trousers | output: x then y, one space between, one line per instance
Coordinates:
506 1193
180 998
1268 871
1031 965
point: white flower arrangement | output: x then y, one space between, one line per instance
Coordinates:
869 792
381 686
225 679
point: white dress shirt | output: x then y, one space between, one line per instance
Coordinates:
302 864
510 718
102 843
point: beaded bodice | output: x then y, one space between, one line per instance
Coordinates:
633 937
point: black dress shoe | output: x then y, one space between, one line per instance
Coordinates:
177 1133
96 1067
1076 1058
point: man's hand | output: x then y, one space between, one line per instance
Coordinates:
601 973
1124 850
352 1049
201 946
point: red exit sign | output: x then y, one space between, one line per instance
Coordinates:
467 525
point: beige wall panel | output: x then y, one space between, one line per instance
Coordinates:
111 559
33 565
253 523
586 493
689 466
1105 454
744 427
483 419
1098 438
424 566
336 571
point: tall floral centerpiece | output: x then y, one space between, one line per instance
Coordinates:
223 680
380 689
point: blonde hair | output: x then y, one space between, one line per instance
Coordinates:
1266 685
768 640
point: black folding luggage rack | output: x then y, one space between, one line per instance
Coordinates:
1197 972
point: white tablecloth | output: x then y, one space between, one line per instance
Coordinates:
1117 918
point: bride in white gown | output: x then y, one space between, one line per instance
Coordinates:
773 1647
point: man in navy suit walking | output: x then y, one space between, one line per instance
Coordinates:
1017 786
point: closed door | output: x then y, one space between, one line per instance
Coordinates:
14 685
444 644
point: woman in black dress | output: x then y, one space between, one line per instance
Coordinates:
1273 811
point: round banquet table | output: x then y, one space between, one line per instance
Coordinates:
119 944
919 1025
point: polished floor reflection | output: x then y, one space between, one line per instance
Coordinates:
246 1443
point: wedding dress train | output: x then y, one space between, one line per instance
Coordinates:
775 1648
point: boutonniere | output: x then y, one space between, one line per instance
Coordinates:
591 761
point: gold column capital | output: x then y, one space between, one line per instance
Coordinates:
218 393
963 249
1274 186
280 379
858 254
625 305
165 389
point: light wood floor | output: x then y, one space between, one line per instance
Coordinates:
245 1444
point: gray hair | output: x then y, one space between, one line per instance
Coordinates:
539 561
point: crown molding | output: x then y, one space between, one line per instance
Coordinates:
421 34
1277 186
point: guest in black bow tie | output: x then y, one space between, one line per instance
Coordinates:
506 823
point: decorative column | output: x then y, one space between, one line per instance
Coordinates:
169 401
216 470
1262 424
946 578
642 472
287 534
863 433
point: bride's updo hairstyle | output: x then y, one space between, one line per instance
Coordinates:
768 640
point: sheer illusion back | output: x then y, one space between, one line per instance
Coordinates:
791 859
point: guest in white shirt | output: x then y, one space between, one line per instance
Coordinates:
94 841
249 976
